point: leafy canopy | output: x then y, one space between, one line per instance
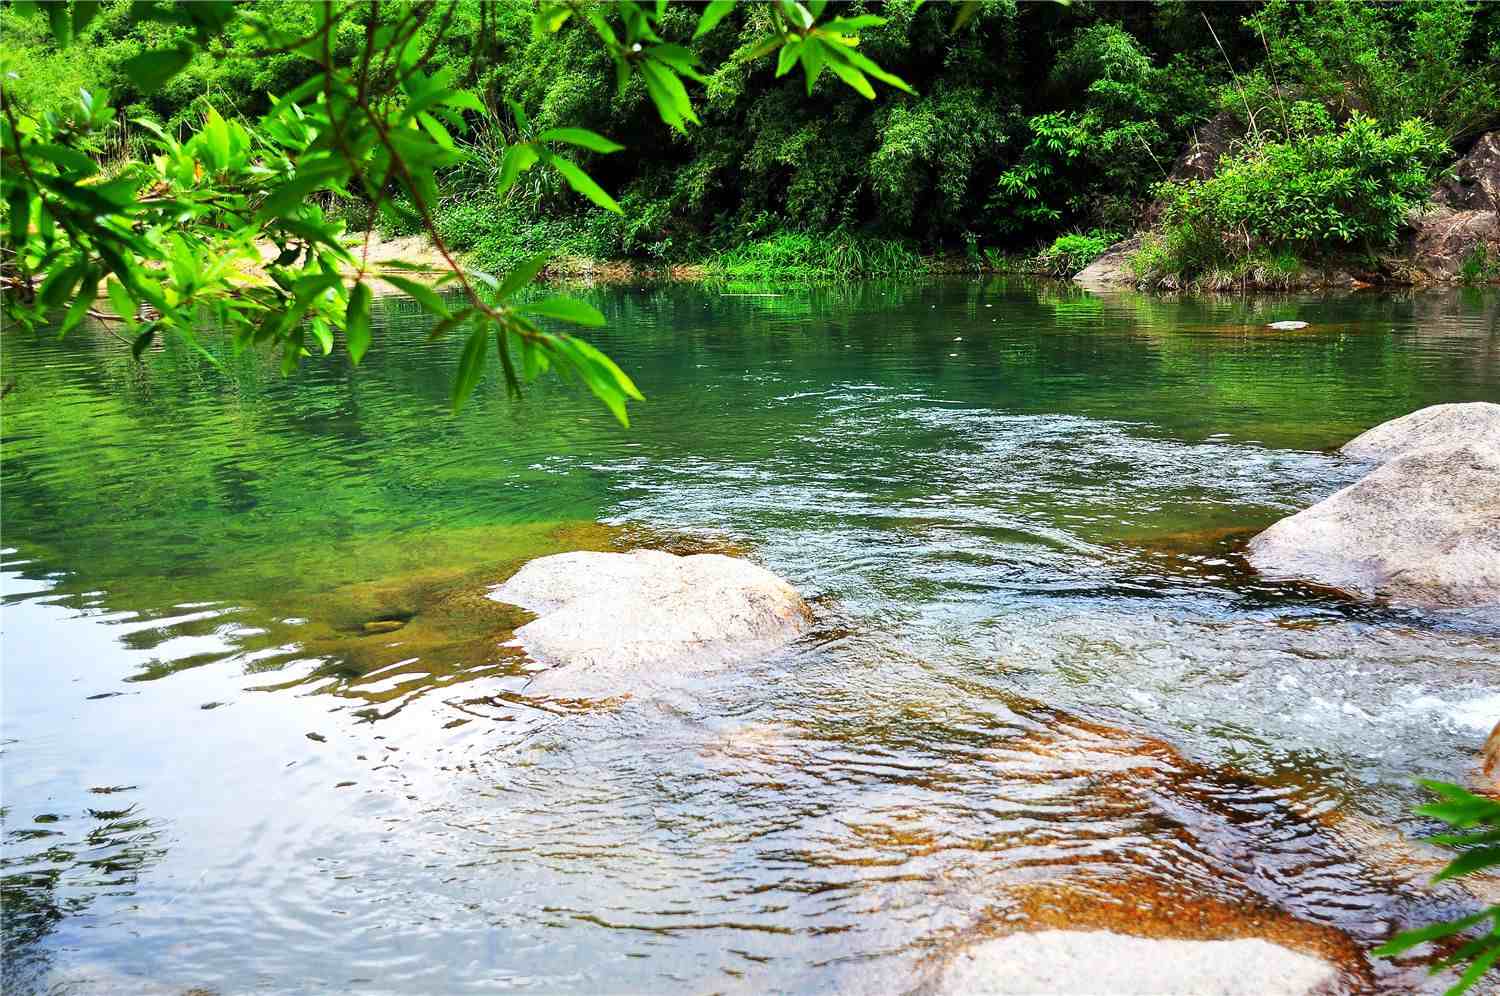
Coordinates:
171 237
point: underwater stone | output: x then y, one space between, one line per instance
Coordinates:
1435 425
1076 962
1421 530
615 620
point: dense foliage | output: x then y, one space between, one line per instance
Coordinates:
1320 190
1026 122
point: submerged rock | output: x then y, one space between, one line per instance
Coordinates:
612 620
1073 963
1435 425
1423 529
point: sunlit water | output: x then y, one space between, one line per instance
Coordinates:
1042 689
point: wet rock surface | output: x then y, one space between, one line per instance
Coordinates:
1475 182
609 621
1421 530
1435 425
1114 268
1063 962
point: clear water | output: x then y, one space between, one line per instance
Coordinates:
1042 689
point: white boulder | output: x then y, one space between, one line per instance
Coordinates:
1436 425
1422 529
1090 963
611 622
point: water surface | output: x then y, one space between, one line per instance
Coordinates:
1042 689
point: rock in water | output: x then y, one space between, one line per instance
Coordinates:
1075 963
614 620
1422 529
1437 425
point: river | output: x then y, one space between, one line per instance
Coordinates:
1042 687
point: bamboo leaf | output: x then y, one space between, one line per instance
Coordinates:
581 137
565 309
583 183
357 321
421 293
713 13
471 364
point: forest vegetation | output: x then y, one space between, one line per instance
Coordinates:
1035 133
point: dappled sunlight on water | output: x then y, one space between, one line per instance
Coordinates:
264 729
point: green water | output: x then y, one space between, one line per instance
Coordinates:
1040 679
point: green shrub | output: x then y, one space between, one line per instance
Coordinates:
1072 252
1323 191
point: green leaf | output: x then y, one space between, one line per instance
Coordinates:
788 57
851 25
73 162
322 333
295 191
765 46
60 23
18 206
712 15
583 183
518 159
88 287
464 100
680 59
471 364
853 77
523 273
1481 965
216 139
84 12
581 137
149 71
867 65
502 349
564 309
120 300
618 376
669 95
813 61
59 284
1469 862
421 293
143 340
357 321
1411 938
435 128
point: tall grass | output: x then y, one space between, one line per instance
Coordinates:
806 254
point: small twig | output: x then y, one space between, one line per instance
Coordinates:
1233 75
